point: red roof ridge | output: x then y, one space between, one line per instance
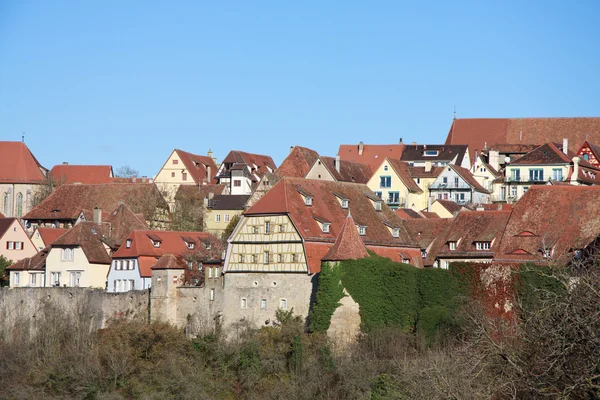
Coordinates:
348 244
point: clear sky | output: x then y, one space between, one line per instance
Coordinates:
125 82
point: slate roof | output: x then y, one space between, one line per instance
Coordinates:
18 165
88 236
228 202
196 166
372 155
476 132
298 162
562 217
67 201
445 153
348 245
548 153
85 174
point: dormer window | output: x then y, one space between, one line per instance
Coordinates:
396 232
344 203
190 245
362 230
207 245
308 200
547 253
423 253
155 243
483 245
325 228
452 246
128 243
431 153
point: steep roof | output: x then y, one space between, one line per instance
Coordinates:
5 224
196 166
228 202
429 233
403 171
408 213
85 174
593 147
119 223
372 154
287 197
259 164
476 132
169 261
562 218
88 236
18 165
35 263
469 178
350 171
548 153
298 162
49 235
445 152
67 201
348 245
421 172
449 205
171 242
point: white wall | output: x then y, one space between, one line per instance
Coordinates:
126 275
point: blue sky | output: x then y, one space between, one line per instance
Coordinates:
125 82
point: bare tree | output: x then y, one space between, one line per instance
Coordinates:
126 171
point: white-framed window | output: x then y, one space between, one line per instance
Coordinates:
513 191
362 230
244 303
33 279
525 189
237 183
55 278
132 284
452 246
241 258
344 203
283 304
279 258
128 243
267 227
226 217
217 217
266 257
210 272
281 228
17 278
75 278
482 245
190 245
263 304
325 227
308 201
212 294
10 245
396 232
294 257
255 229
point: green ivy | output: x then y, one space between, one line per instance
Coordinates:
534 284
327 299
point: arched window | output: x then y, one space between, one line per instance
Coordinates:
6 213
19 205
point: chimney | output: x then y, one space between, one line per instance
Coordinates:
427 166
476 154
429 203
565 148
208 174
400 142
361 148
337 163
65 163
211 195
98 215
575 174
144 179
291 148
210 153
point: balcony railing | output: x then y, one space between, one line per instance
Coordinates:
450 185
400 202
527 179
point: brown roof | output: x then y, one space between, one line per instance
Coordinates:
429 233
404 173
285 197
228 202
88 236
428 214
516 148
119 223
350 171
419 172
169 261
67 201
259 164
199 192
5 224
469 178
171 242
197 166
18 165
86 174
548 153
348 245
35 263
408 213
372 155
298 162
445 153
449 205
49 235
562 217
476 132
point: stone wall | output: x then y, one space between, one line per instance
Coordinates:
345 322
21 306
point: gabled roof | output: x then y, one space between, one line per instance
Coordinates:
196 166
402 169
198 192
85 174
35 263
170 261
67 201
5 224
468 177
119 223
595 149
476 132
562 218
372 154
228 202
298 163
445 152
408 213
350 171
259 164
171 242
49 235
18 165
429 233
348 245
449 205
88 236
286 198
548 153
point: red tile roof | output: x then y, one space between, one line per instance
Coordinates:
35 263
348 245
198 192
408 213
2 215
430 234
403 171
18 165
86 174
428 214
409 255
315 251
449 205
196 166
88 236
67 201
562 218
119 223
372 154
298 162
171 242
469 178
259 164
169 261
548 153
49 235
476 132
420 172
350 171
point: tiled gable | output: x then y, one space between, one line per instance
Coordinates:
83 174
18 165
88 236
548 153
298 162
197 167
370 154
348 245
